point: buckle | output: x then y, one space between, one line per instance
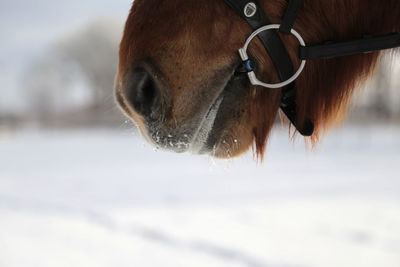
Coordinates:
246 60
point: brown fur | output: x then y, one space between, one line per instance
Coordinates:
190 41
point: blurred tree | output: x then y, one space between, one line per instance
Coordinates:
55 86
95 50
381 96
77 75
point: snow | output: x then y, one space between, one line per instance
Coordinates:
104 198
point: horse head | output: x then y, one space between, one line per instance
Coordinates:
178 79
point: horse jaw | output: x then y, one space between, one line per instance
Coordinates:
201 136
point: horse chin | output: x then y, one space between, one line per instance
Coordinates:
228 137
200 138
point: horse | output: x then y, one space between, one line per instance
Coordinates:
177 76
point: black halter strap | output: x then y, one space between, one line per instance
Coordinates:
366 44
250 11
292 10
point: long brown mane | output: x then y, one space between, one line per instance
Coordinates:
325 87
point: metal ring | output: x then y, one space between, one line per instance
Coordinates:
252 75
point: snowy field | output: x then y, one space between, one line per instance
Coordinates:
104 198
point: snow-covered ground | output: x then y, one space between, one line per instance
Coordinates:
104 198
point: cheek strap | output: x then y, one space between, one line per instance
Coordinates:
253 14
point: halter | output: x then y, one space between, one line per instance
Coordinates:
260 23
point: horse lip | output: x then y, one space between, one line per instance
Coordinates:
192 138
201 136
199 141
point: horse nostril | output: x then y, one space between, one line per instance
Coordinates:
143 92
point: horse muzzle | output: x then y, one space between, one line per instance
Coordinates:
142 99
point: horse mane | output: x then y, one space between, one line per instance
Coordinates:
326 86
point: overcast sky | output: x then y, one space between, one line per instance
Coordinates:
28 27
